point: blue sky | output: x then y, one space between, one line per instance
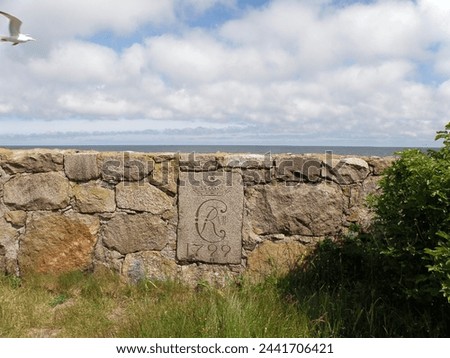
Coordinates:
294 72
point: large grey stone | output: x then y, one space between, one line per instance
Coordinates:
380 164
303 209
165 176
43 191
359 212
116 167
32 161
198 162
93 198
81 166
141 232
257 176
141 196
247 161
210 213
298 168
347 171
55 243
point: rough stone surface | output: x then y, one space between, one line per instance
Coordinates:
303 209
359 212
210 213
348 171
165 176
300 169
43 191
55 243
198 162
16 217
126 166
8 248
141 196
380 164
4 177
81 166
5 153
275 258
92 198
257 176
2 260
244 161
150 265
141 232
161 215
22 161
106 258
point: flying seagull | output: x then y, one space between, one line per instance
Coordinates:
14 31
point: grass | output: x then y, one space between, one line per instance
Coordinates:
101 305
339 292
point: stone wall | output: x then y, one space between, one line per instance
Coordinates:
175 216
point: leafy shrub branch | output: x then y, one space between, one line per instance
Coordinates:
413 220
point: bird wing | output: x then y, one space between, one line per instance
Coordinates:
14 24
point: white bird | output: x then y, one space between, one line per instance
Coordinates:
14 31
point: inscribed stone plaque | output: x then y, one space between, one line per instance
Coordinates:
210 217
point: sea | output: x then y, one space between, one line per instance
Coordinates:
255 149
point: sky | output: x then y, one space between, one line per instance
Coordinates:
226 72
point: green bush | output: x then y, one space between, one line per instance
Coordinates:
349 289
413 220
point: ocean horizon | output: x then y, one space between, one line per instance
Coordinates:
255 149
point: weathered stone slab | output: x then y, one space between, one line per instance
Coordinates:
380 164
55 243
245 161
141 232
81 166
43 191
257 176
92 198
347 171
303 209
35 161
210 217
359 212
142 197
198 162
116 167
298 168
165 176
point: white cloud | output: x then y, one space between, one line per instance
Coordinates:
303 68
85 17
77 62
197 57
200 6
